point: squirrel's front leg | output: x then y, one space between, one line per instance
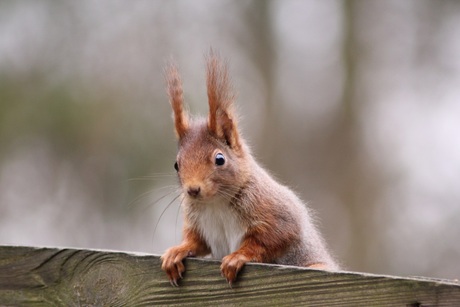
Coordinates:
172 259
251 250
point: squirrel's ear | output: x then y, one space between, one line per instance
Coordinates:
174 88
222 120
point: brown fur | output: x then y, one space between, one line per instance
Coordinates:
234 210
221 120
174 85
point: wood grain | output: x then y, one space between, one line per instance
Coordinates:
74 277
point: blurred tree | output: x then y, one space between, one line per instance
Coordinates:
259 45
352 176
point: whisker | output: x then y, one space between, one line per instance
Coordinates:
140 197
164 196
144 179
177 218
162 213
151 191
228 190
153 177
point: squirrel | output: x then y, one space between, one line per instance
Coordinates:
233 209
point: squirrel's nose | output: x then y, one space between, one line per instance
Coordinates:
194 191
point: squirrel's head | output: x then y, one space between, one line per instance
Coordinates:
212 158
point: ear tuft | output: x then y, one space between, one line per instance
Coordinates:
222 120
175 93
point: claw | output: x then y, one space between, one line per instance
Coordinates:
173 282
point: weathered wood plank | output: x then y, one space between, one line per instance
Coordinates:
71 277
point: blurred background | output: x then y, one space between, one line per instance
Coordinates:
354 104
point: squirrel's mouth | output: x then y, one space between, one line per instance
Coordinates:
196 197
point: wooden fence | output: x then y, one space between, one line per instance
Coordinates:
76 277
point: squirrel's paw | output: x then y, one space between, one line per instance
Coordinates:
172 263
231 265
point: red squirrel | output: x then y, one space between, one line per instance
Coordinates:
233 209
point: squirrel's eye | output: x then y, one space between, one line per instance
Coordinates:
176 166
220 159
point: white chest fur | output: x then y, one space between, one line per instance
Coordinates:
220 227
